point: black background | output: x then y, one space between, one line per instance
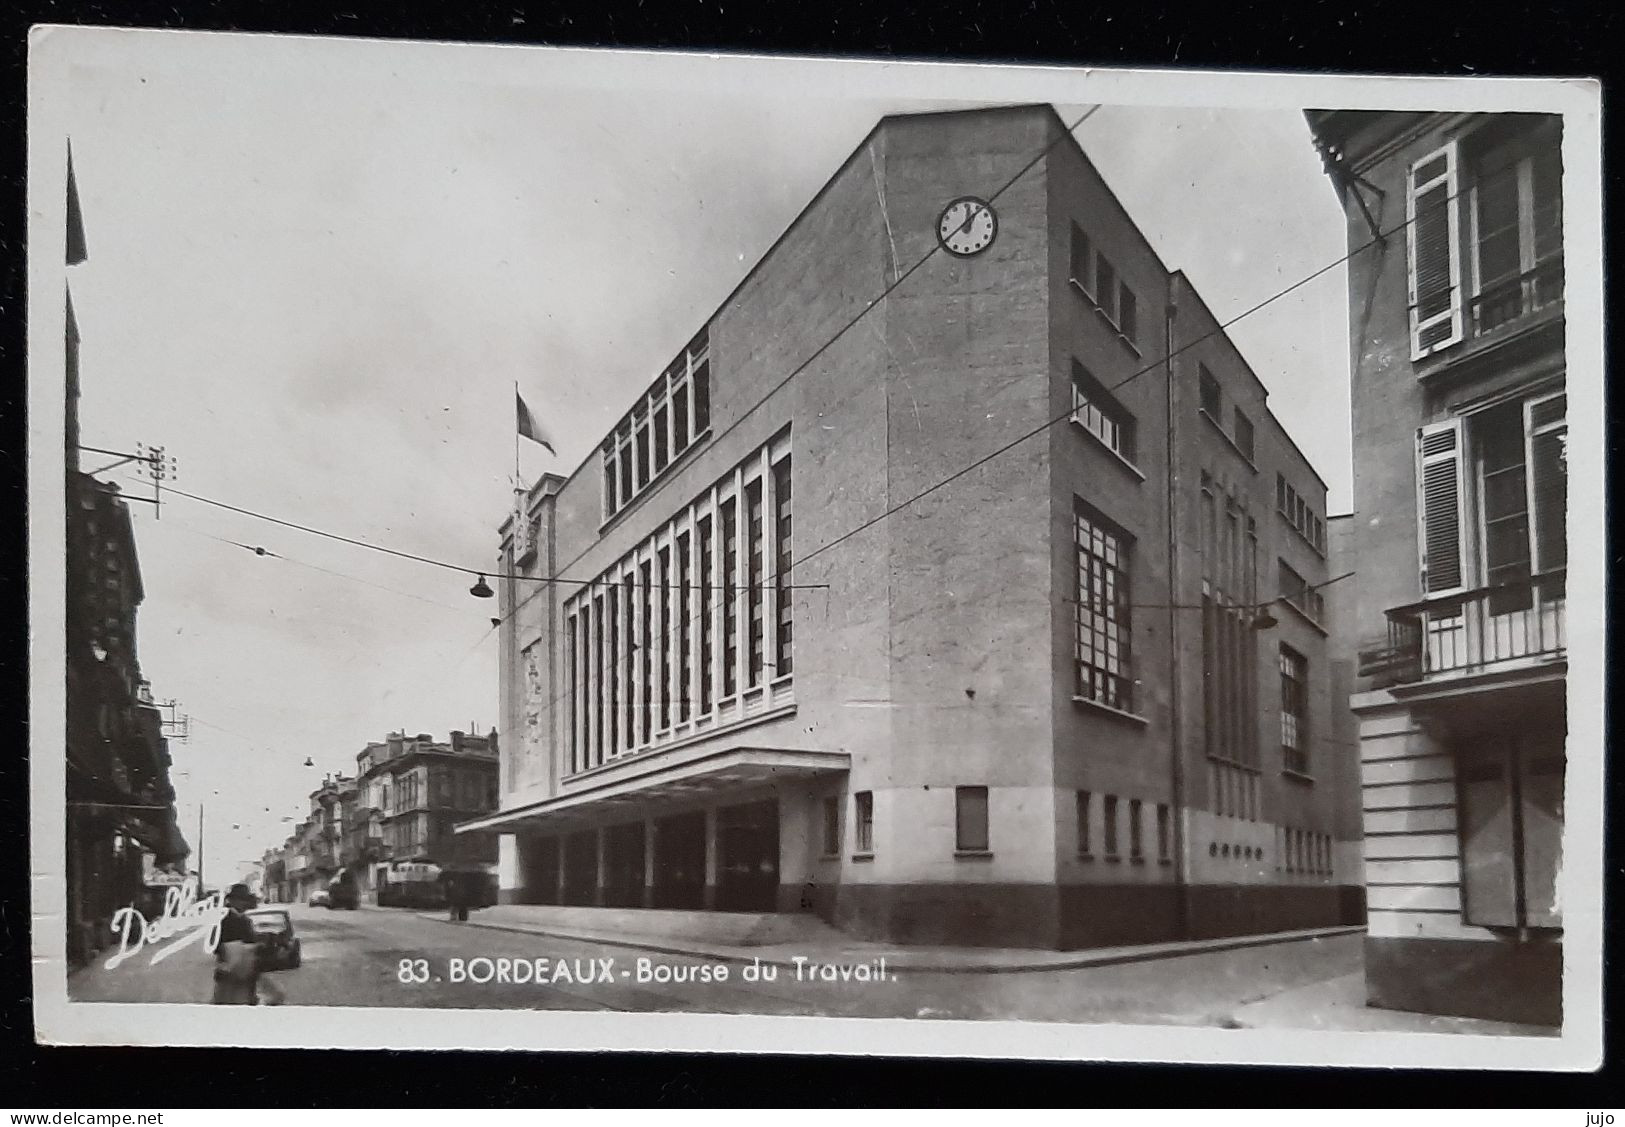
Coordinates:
1356 36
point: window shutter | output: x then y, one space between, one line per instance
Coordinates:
1433 215
1547 427
1440 538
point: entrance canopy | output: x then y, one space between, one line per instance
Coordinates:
684 782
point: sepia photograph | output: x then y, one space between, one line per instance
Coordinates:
562 548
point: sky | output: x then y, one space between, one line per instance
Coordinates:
316 271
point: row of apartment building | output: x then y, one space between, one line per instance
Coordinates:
391 821
877 643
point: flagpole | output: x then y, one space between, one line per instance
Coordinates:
518 486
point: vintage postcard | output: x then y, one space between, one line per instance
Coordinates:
543 548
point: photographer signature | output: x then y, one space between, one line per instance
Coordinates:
184 915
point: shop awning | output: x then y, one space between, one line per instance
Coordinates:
686 781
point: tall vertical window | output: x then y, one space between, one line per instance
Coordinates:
1102 649
685 660
863 821
1548 428
1244 434
641 422
702 397
613 704
679 420
1294 710
832 825
1165 849
1136 841
1208 389
730 597
1109 810
1096 411
646 650
754 601
629 603
1106 287
1085 840
970 819
1082 261
783 596
663 634
708 605
1128 314
662 439
573 707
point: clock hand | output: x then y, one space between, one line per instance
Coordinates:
970 217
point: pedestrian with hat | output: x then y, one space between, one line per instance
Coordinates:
236 955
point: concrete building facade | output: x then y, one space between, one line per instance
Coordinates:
1460 439
804 636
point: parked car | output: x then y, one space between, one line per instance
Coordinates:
320 899
277 945
342 893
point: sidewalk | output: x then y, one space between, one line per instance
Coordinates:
529 920
1339 1004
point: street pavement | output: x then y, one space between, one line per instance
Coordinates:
396 957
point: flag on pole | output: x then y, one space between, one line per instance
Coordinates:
527 425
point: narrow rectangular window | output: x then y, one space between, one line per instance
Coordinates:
612 499
627 488
730 597
970 819
573 709
1110 826
1294 710
1244 435
1208 388
1546 422
755 604
783 596
832 826
642 442
1084 842
1106 287
646 652
629 611
612 610
1082 263
662 446
685 660
1165 847
1498 448
863 804
1128 314
679 417
702 397
1136 844
663 639
707 607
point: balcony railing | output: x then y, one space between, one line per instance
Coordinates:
1505 301
1474 631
